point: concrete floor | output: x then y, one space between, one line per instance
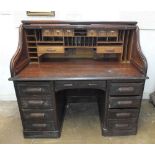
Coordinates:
81 125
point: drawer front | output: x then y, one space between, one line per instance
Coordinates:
126 88
102 33
29 126
112 33
38 115
33 89
47 32
118 125
58 32
124 102
36 103
49 49
123 113
60 85
110 49
68 32
91 33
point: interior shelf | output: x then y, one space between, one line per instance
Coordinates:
104 43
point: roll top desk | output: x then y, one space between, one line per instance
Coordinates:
55 59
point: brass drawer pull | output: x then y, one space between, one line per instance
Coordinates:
32 90
126 89
68 85
39 125
92 84
50 50
110 51
124 102
37 115
35 102
123 114
121 125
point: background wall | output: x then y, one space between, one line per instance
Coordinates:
11 13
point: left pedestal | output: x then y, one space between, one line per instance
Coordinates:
36 100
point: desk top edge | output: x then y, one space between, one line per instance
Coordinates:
77 22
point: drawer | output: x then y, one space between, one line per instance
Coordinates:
68 32
110 49
58 32
38 115
126 88
124 102
123 113
47 32
102 33
112 33
36 103
60 85
120 125
41 134
49 49
33 89
29 126
91 33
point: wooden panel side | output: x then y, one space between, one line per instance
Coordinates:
20 58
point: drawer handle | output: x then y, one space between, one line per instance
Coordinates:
123 114
39 125
31 90
50 50
124 102
37 115
92 84
68 85
110 51
121 125
35 102
125 89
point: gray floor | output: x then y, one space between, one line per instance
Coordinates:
81 125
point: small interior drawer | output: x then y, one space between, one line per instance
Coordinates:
60 85
110 49
125 102
68 32
36 103
49 49
126 88
38 115
112 33
102 33
33 88
58 32
91 33
47 32
44 126
123 113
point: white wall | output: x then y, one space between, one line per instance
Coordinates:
73 10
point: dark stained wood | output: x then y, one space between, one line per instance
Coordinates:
79 69
78 22
105 26
58 62
137 57
20 58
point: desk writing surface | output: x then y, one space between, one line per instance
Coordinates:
78 69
